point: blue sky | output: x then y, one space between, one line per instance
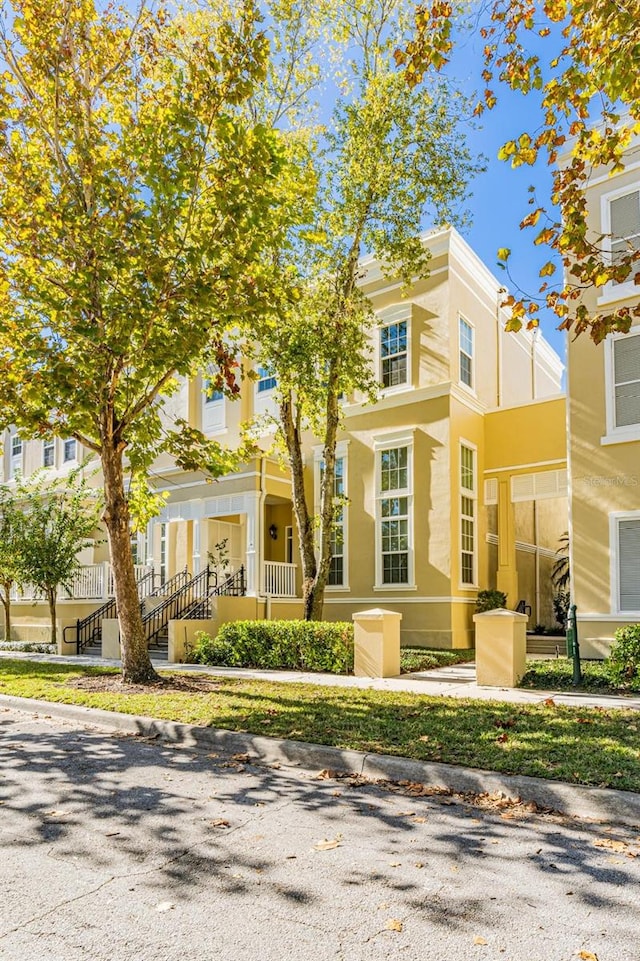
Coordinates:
500 196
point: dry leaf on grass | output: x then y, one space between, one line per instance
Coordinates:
393 925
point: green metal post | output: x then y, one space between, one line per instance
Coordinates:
577 670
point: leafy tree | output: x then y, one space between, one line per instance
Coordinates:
579 58
11 551
136 206
561 571
378 158
59 520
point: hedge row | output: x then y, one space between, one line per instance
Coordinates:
283 645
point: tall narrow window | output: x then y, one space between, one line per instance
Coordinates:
163 553
393 354
466 352
336 570
467 515
70 450
394 515
48 453
15 463
626 380
288 544
625 225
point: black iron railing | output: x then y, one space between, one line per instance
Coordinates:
173 607
234 585
89 629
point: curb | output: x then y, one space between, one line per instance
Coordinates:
594 804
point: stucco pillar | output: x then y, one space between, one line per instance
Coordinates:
507 575
376 640
501 647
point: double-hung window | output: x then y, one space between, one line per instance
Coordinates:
395 515
15 461
48 453
266 379
338 567
69 450
468 512
465 335
394 354
213 412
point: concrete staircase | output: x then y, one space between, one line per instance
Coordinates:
545 644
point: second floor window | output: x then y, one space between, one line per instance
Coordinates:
266 379
15 463
624 213
626 380
393 354
48 453
70 450
466 353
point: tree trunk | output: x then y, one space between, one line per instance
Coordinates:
51 598
304 520
136 664
6 603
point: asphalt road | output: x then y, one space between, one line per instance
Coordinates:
122 849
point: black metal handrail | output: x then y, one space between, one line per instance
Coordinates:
172 607
234 585
173 584
89 629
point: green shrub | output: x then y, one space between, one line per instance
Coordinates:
490 601
561 601
279 645
624 659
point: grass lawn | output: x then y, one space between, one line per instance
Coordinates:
557 675
599 747
426 659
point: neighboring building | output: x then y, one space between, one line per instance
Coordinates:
455 478
604 433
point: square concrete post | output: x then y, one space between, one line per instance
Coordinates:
111 637
376 639
501 647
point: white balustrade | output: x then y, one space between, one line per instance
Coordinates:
279 579
91 582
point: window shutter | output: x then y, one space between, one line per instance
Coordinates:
625 216
629 564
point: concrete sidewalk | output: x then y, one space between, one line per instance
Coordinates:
457 680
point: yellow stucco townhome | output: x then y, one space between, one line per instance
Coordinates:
455 478
603 387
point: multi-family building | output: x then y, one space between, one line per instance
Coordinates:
454 480
603 388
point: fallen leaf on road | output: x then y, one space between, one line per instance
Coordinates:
393 925
587 956
610 844
165 906
405 814
328 845
395 864
479 940
420 820
220 823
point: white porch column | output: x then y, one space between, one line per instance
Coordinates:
255 538
196 547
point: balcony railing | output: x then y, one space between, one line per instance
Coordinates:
279 579
92 582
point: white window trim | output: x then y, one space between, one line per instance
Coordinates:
614 577
16 461
51 443
613 292
459 381
341 451
473 495
390 442
615 435
209 407
387 318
